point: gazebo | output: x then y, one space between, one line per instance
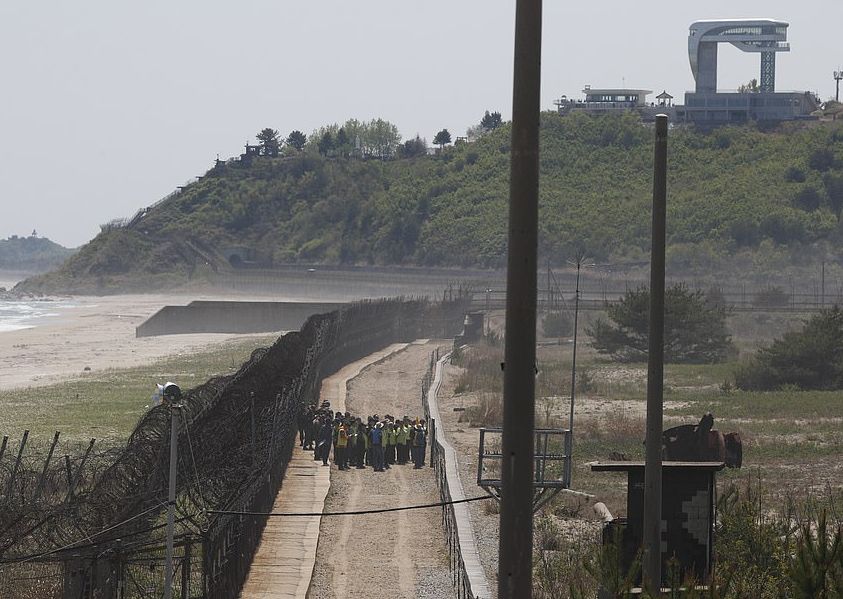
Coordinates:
665 99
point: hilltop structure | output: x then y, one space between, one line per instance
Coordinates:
602 101
707 105
766 37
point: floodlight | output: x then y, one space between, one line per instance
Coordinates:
171 393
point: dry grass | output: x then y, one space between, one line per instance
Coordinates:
488 411
615 428
481 369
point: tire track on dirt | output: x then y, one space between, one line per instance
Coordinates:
401 555
339 551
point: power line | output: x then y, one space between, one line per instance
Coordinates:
354 513
26 558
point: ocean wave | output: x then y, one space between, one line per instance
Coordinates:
16 315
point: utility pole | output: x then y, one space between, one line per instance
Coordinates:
838 75
822 287
488 311
569 439
172 396
515 566
652 564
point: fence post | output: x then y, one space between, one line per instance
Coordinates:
46 467
432 439
75 481
116 568
185 568
11 484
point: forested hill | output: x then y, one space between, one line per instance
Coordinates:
732 191
31 254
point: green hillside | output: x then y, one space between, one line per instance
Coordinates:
33 254
736 193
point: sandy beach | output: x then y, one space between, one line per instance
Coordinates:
93 332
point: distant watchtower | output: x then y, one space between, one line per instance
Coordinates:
706 106
764 36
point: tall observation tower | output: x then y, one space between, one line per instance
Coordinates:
764 36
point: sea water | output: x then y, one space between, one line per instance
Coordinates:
25 314
17 314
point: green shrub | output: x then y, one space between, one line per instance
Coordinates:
771 297
557 324
809 359
794 175
821 159
807 199
694 329
751 545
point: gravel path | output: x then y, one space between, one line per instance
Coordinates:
399 555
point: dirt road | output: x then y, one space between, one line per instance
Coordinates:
400 555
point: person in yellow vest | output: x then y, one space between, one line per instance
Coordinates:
340 451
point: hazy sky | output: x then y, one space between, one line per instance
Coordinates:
109 105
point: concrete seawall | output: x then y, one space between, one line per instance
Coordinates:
231 317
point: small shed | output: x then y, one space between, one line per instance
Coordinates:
688 492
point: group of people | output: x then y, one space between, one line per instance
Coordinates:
379 442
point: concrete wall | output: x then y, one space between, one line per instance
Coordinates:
231 317
707 68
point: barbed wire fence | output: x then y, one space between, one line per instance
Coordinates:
85 521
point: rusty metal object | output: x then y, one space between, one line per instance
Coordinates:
702 443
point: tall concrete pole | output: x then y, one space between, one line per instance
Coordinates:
515 567
655 370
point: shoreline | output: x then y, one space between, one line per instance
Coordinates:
88 334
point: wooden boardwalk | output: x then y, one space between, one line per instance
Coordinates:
283 564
